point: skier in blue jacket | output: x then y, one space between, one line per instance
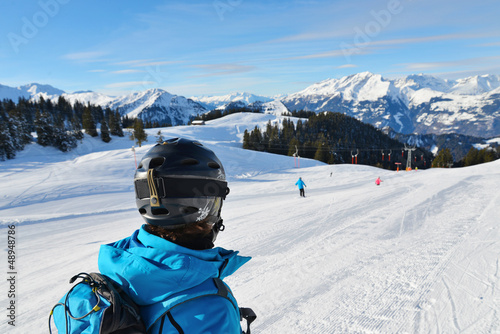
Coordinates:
171 260
154 272
301 186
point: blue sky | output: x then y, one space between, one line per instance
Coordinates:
215 47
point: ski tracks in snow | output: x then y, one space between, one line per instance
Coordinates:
344 243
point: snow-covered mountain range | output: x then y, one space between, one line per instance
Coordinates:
413 104
154 105
220 102
416 103
30 91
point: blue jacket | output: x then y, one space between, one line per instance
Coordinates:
300 183
154 271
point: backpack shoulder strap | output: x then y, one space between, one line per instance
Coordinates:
123 313
214 287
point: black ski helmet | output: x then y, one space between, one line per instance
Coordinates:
179 182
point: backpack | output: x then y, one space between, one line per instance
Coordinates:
98 305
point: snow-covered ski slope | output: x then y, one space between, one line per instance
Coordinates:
418 254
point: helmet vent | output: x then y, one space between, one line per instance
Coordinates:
213 164
142 211
159 211
188 210
171 141
189 162
156 162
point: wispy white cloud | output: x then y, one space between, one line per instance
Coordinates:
129 84
146 62
132 62
453 75
88 56
310 36
347 66
423 39
369 46
470 62
344 52
489 44
156 63
127 71
223 69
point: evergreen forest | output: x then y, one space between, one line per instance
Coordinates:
58 124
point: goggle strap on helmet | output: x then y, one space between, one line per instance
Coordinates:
153 193
168 187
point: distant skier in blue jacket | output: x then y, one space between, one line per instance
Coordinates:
301 186
170 261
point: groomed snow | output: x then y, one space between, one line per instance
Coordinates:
418 254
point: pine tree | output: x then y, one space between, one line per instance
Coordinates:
88 122
139 135
64 107
64 140
20 127
7 149
76 127
44 129
111 122
443 159
321 152
160 137
105 131
117 125
79 108
256 139
472 157
246 140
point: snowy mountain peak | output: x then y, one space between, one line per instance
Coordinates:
475 85
422 81
39 89
214 102
360 86
29 91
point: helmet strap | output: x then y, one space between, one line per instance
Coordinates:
153 192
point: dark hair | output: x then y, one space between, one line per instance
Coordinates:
197 235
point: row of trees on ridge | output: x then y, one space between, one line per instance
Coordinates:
333 137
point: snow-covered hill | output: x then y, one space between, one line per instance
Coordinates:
416 103
418 254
